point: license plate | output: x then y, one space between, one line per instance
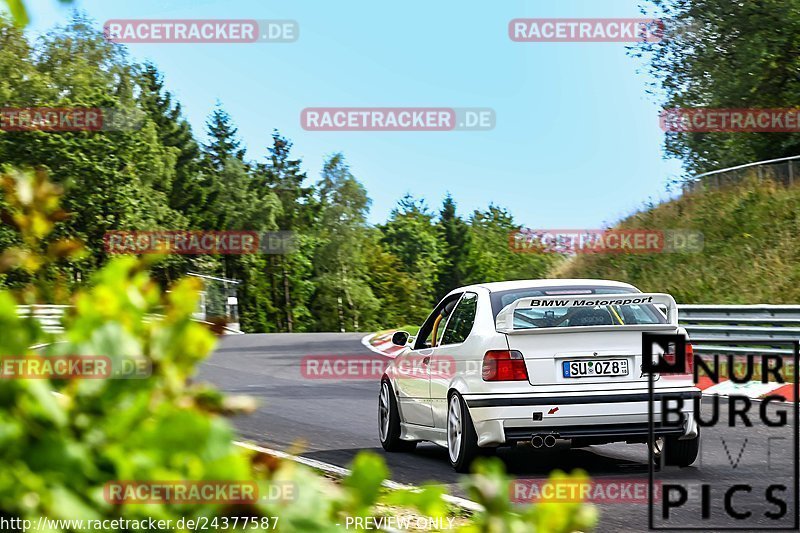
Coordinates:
593 369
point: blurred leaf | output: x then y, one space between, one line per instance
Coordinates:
18 12
367 474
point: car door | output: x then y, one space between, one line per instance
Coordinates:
412 368
448 352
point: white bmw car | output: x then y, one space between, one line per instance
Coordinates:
539 363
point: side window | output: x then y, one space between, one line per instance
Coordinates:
462 320
425 335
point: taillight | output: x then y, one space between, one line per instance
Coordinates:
670 358
504 365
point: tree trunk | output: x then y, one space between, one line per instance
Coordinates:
349 299
286 297
274 290
341 314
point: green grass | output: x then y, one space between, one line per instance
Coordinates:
412 330
751 252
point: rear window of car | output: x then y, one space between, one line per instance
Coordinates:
599 315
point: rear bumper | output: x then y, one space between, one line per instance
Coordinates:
601 430
504 419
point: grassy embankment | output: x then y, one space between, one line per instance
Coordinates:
751 252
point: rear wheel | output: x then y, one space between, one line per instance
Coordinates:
389 422
462 441
676 452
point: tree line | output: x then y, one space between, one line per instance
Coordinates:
345 273
723 54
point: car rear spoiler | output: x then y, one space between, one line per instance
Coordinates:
505 318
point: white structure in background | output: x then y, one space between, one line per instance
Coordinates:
218 300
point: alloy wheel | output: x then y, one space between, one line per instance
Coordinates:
383 411
454 433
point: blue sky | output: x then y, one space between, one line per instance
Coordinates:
577 142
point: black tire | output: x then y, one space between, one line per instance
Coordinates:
681 452
391 441
678 452
468 449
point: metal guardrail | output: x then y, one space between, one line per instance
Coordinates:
784 171
704 323
757 323
49 316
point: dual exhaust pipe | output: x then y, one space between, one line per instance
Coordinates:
547 441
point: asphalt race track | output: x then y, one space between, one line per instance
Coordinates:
331 421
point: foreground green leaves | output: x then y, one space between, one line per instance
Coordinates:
59 451
20 13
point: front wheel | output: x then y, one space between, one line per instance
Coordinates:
462 441
389 422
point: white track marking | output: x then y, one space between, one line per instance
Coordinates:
340 471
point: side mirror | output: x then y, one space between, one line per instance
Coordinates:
400 338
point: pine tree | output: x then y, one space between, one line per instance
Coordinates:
455 269
284 177
224 175
224 141
189 193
